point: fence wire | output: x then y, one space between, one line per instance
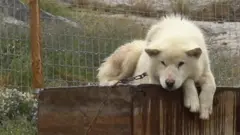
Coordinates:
78 34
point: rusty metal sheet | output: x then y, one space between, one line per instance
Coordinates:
70 111
160 112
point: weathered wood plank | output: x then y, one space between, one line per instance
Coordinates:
237 114
137 110
70 111
168 116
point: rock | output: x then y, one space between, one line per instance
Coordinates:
218 34
14 8
18 10
208 10
11 20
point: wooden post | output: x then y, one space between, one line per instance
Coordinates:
37 80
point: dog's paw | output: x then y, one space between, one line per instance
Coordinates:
192 103
205 111
206 105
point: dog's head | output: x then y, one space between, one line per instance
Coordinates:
171 64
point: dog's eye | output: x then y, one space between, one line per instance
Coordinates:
180 64
163 63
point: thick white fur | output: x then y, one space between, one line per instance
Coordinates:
168 41
121 63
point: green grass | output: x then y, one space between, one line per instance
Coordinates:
52 6
19 126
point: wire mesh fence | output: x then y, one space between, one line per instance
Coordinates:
74 53
14 47
78 34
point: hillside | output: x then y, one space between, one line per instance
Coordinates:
208 10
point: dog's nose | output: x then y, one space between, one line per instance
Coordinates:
170 83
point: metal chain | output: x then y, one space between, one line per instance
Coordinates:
138 77
103 103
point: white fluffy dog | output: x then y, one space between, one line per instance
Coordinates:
174 54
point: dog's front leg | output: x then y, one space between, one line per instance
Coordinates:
208 88
191 99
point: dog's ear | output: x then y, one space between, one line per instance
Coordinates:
196 52
152 52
